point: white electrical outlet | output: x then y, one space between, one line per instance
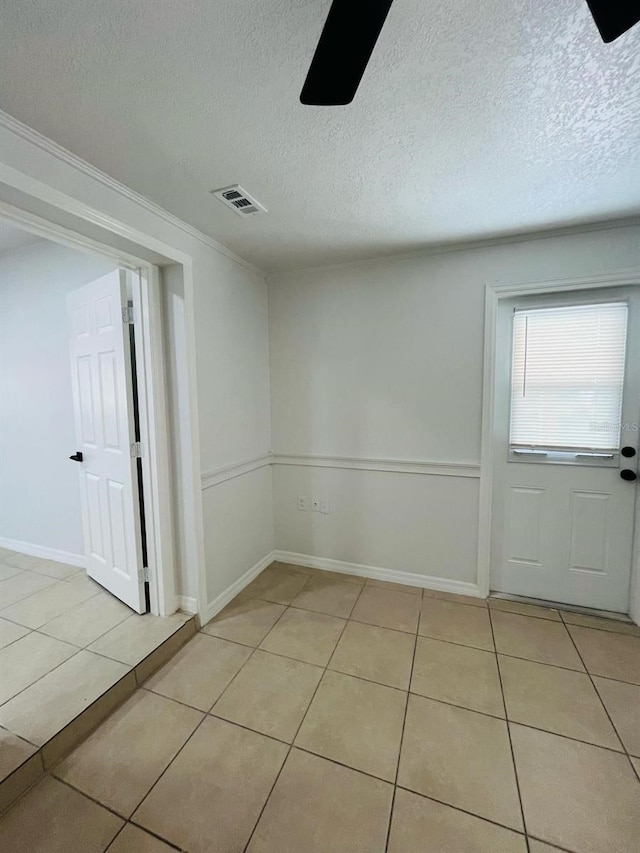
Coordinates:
324 507
303 503
315 505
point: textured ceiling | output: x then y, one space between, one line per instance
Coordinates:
14 238
474 119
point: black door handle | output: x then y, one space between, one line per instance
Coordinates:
77 457
628 474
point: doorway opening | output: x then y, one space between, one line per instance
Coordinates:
67 643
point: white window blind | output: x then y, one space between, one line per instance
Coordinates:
567 376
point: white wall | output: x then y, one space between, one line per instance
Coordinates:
238 517
232 348
383 361
39 489
235 422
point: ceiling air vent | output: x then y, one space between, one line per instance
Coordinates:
239 201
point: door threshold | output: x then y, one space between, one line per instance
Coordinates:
556 605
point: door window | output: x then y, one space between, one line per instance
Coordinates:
567 382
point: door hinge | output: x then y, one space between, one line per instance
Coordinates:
143 574
136 450
127 314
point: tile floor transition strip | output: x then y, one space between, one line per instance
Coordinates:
46 755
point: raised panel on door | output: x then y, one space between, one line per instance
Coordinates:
95 545
526 508
589 531
86 414
110 395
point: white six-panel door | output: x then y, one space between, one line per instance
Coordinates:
105 433
563 530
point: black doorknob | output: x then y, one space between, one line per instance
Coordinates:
77 457
628 474
628 451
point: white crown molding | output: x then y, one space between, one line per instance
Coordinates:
378 573
398 466
615 278
229 472
464 246
41 141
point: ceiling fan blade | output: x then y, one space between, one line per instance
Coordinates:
614 17
350 33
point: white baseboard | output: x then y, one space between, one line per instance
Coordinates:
379 574
187 604
41 551
373 572
215 606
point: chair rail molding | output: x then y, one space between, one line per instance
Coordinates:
235 469
435 468
400 466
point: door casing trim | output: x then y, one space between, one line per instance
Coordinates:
153 391
494 293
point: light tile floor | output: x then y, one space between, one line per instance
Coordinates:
320 713
64 642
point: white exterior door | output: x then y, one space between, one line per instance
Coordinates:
105 433
568 398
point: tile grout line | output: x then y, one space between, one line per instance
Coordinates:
454 642
130 819
40 677
54 581
479 817
493 652
513 757
293 740
148 831
95 639
606 710
126 820
17 639
38 592
208 714
205 714
301 749
78 569
52 770
118 833
599 628
155 835
140 687
505 718
404 724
